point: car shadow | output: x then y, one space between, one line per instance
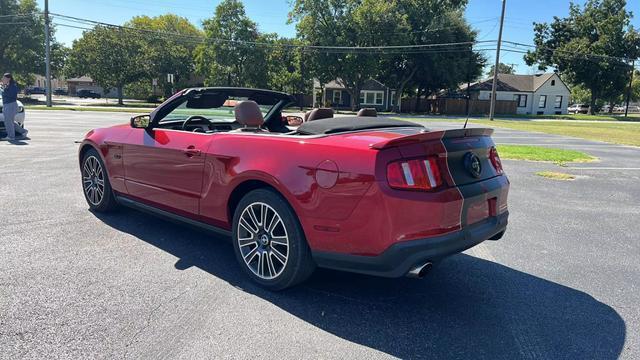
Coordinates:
466 307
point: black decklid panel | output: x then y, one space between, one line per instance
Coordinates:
344 124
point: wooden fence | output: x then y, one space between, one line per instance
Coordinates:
457 106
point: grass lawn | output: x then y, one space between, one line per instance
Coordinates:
556 175
90 108
596 117
625 133
539 153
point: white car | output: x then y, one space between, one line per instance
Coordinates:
578 109
19 116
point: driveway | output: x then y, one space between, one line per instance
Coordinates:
562 283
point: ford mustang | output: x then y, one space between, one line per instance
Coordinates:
369 194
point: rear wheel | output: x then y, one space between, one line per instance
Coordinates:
95 183
269 242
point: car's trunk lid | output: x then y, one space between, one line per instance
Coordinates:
464 152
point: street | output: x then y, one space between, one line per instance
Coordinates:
564 282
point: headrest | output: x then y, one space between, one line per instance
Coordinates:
370 112
320 113
248 114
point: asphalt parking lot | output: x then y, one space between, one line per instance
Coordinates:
564 282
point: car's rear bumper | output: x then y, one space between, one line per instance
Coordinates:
401 257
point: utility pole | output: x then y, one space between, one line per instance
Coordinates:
468 109
47 51
633 67
302 79
495 69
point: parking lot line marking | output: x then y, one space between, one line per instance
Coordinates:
603 168
568 145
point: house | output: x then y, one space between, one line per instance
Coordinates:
373 94
87 83
41 82
541 94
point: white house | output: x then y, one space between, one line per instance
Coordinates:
542 94
373 94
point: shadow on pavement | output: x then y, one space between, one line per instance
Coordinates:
466 308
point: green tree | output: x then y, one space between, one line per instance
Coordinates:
349 23
22 41
435 68
635 87
589 47
284 64
110 56
230 55
502 69
580 95
168 44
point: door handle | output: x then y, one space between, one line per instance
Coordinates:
191 151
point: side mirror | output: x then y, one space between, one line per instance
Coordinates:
292 120
140 121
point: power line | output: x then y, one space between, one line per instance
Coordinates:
256 43
337 50
571 52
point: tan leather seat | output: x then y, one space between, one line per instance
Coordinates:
368 112
248 115
319 113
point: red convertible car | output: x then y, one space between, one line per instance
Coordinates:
365 194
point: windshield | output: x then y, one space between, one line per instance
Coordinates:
212 110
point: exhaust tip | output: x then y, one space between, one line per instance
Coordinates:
420 271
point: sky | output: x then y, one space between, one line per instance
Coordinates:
271 16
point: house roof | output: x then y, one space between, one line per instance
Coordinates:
336 84
80 79
512 82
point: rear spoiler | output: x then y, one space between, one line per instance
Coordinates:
432 135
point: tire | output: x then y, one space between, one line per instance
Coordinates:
269 262
95 183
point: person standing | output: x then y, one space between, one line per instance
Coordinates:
10 108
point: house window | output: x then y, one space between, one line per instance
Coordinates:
558 103
553 83
337 96
371 97
542 103
393 98
521 100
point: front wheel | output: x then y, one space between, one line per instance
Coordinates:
269 242
95 183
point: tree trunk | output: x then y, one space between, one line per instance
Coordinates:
120 102
419 93
355 98
592 104
400 90
611 106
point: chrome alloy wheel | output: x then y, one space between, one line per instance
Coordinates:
263 240
93 180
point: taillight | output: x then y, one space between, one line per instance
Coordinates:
416 174
495 160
